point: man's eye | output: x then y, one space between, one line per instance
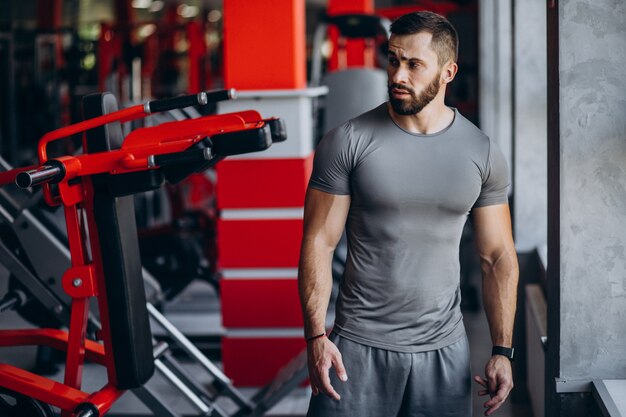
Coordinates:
414 65
393 61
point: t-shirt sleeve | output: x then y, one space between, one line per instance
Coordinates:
495 179
333 162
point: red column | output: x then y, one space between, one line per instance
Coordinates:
264 44
261 196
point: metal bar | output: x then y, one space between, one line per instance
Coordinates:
159 349
153 402
270 395
184 376
41 388
48 256
11 299
38 176
36 288
8 303
191 396
182 341
76 343
200 391
199 99
195 353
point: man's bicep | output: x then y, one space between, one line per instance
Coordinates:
492 229
325 216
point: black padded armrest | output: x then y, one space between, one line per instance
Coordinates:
223 145
237 143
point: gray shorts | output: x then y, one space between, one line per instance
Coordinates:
383 383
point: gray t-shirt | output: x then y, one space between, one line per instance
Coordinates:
410 197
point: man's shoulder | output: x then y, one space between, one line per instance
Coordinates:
357 129
370 118
468 128
472 137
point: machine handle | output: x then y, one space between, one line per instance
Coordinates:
13 300
195 155
50 172
199 99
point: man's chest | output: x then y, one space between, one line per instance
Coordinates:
422 177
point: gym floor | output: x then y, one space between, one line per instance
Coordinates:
293 405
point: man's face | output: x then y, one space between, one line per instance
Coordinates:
414 75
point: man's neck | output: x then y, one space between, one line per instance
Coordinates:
433 118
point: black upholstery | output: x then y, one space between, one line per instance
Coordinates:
178 172
117 232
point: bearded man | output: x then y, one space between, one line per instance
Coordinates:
402 179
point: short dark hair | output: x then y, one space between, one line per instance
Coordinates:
445 40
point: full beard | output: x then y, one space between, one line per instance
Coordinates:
415 104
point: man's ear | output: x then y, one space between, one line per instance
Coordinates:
448 72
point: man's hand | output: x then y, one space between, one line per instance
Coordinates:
322 355
498 384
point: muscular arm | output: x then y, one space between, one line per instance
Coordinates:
498 261
324 219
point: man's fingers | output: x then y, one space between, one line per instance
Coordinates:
492 382
314 381
494 403
500 396
493 409
341 371
326 387
481 381
323 355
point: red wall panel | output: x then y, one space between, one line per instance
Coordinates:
263 183
263 243
255 361
260 303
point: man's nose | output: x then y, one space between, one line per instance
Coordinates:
398 75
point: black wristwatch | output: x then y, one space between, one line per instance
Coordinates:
504 351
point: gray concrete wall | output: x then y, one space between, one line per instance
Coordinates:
495 72
592 43
530 125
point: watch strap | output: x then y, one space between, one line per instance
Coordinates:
504 351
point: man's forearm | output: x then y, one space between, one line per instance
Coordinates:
500 278
315 285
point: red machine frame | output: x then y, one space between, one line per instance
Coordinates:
85 278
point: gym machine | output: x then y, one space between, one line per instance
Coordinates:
177 227
351 90
96 191
8 136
